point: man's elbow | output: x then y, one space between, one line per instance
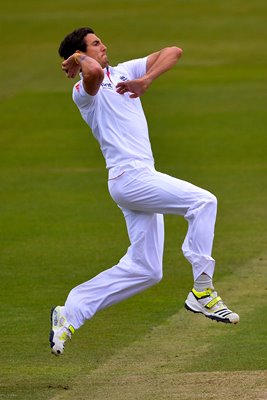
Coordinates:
177 52
95 73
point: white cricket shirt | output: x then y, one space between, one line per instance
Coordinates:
117 121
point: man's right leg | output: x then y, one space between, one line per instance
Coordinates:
139 269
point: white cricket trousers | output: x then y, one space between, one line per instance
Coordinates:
144 195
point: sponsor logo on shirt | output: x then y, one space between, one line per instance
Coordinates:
106 85
110 85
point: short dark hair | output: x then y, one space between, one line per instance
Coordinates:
74 41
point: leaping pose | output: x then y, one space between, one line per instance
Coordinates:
109 101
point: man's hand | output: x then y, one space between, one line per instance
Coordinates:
137 87
70 67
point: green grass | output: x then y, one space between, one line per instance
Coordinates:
58 225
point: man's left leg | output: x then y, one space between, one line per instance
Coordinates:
152 191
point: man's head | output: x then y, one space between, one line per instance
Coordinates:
84 40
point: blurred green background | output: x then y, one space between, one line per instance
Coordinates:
58 225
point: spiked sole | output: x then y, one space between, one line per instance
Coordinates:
51 335
213 317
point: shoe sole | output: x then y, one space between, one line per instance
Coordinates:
51 335
213 317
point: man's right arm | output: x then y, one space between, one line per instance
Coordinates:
92 71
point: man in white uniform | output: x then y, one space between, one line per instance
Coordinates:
108 100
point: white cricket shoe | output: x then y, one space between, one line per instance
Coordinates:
211 305
61 330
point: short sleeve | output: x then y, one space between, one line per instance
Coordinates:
135 68
80 97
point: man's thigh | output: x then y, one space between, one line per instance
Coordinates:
152 191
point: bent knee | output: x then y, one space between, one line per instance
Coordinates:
211 199
205 198
154 276
205 201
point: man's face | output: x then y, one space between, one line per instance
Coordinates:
96 49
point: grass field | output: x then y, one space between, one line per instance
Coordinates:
59 227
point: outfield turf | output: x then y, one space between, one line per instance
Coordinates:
59 227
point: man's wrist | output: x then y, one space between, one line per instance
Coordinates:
148 79
79 57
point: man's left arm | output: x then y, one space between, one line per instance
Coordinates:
157 64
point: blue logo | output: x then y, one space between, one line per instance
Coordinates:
107 85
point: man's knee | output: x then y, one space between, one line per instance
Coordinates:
154 275
211 200
206 200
